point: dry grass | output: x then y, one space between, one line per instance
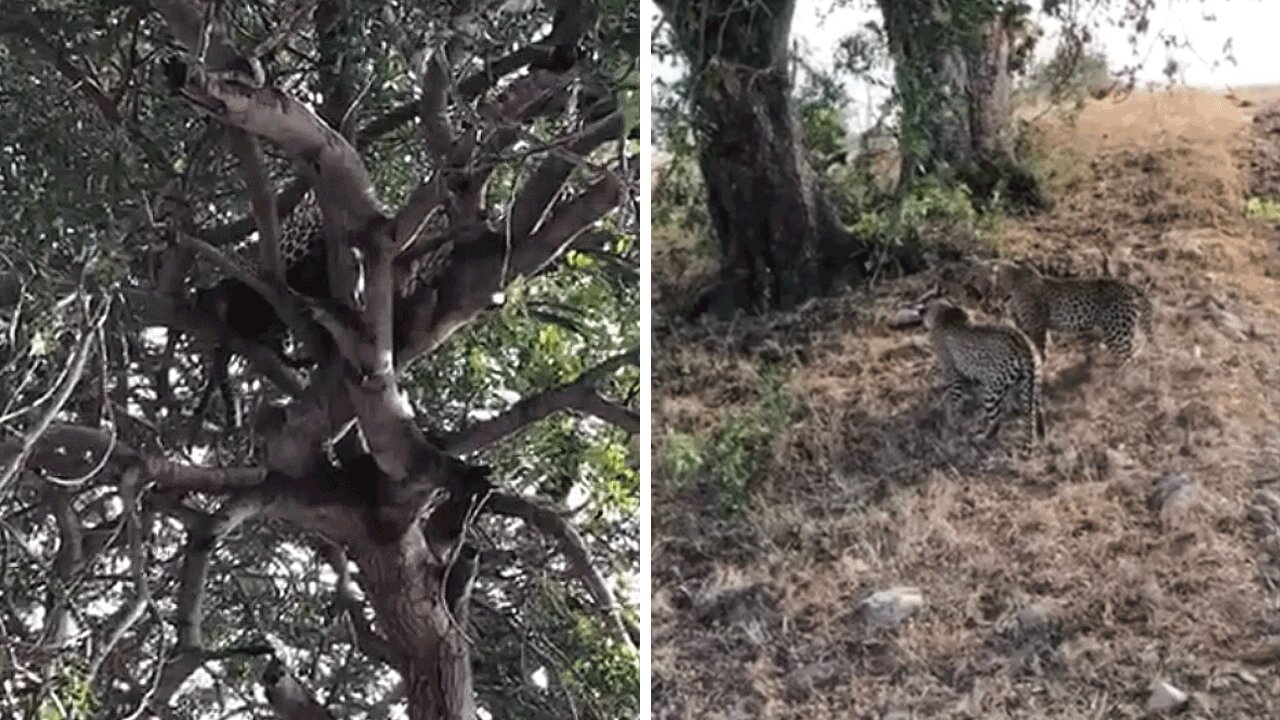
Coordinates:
1053 587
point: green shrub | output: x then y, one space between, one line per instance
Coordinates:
732 455
1262 209
932 207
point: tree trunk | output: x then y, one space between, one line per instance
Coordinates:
990 92
952 75
405 584
780 239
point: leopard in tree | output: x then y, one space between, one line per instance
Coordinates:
242 311
1113 307
998 359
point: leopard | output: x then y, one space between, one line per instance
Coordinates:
998 359
239 310
1119 310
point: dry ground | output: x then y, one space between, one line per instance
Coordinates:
1056 585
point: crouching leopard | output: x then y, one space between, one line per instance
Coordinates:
998 359
1115 308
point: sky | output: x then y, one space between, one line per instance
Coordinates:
1250 25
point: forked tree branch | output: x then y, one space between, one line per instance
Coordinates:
553 524
542 187
565 220
580 395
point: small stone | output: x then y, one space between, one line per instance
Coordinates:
1165 697
1248 677
892 607
1024 625
1117 460
1173 495
906 317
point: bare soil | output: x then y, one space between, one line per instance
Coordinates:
1139 544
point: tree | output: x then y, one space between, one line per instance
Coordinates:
180 222
780 239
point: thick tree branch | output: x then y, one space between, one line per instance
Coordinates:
71 450
67 450
581 395
433 107
566 220
263 201
189 25
567 30
232 232
343 188
202 537
554 525
169 313
365 637
172 477
544 185
476 270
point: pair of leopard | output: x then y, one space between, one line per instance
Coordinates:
1003 359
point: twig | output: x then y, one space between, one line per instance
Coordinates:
78 362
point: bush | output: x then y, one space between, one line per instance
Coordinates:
932 207
1072 75
733 454
1263 210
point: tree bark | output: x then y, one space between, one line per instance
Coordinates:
406 586
990 92
953 80
780 239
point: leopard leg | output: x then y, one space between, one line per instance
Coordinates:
1120 340
953 396
1029 399
1039 337
993 395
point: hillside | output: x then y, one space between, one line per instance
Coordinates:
1140 544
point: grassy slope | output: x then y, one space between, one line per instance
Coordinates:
1052 586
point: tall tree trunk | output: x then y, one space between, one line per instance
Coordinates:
780 239
990 91
406 586
952 68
